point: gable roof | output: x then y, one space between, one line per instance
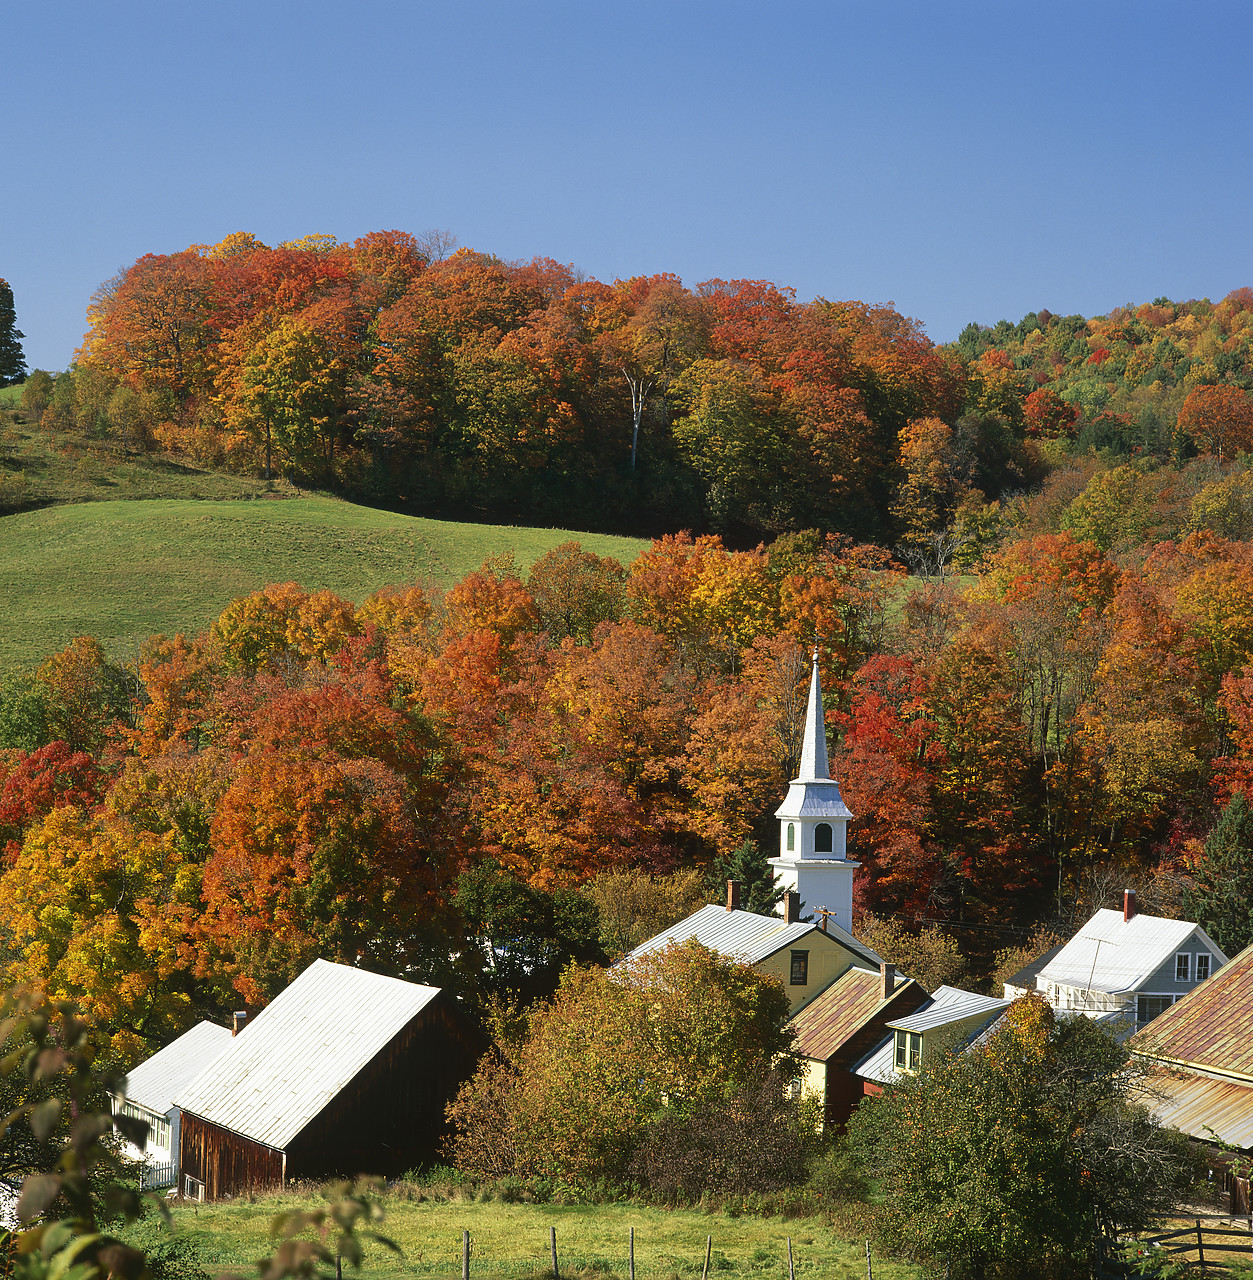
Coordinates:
156 1082
949 1004
1026 976
1211 1027
301 1050
1113 955
839 1012
745 935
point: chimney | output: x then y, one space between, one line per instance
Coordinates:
1128 904
733 895
237 1023
889 979
792 906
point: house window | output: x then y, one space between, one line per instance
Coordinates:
1183 967
791 837
1148 1007
800 968
1202 966
158 1126
908 1050
822 838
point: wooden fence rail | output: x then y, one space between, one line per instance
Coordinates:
1210 1239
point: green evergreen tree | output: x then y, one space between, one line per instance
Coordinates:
748 865
1220 897
12 361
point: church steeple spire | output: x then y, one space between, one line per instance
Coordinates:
814 764
813 819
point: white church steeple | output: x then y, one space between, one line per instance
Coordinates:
813 822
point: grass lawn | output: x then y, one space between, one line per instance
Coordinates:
122 571
512 1241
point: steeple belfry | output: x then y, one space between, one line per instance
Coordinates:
813 823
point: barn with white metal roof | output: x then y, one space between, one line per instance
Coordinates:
345 1072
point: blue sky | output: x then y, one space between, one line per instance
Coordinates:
967 161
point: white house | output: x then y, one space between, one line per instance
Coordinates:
1128 965
813 826
150 1090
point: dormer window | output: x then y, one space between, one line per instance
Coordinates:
822 838
908 1050
1183 967
1202 966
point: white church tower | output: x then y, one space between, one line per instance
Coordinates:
813 822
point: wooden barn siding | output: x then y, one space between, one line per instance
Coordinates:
845 1090
227 1163
390 1116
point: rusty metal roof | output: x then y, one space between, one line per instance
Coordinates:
840 1011
1200 1105
301 1050
1211 1027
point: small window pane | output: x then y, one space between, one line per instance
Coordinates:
1183 968
900 1050
915 1049
800 968
1202 966
791 837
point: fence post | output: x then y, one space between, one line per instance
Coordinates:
1200 1245
709 1244
552 1240
465 1255
791 1269
631 1252
869 1269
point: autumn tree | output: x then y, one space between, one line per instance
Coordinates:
1218 419
676 1029
1006 1160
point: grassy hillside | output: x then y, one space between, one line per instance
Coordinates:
513 1241
123 570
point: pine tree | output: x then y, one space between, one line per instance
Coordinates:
749 866
12 361
1220 897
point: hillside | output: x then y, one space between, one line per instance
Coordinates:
122 571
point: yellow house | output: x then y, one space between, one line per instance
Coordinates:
805 957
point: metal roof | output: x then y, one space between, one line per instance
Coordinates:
1111 954
840 1011
949 1004
155 1083
745 935
1200 1105
1211 1027
301 1050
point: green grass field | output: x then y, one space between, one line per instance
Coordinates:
511 1242
122 571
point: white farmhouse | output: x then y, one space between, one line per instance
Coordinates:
1128 966
150 1090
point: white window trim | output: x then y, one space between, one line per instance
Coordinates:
1186 957
1196 966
